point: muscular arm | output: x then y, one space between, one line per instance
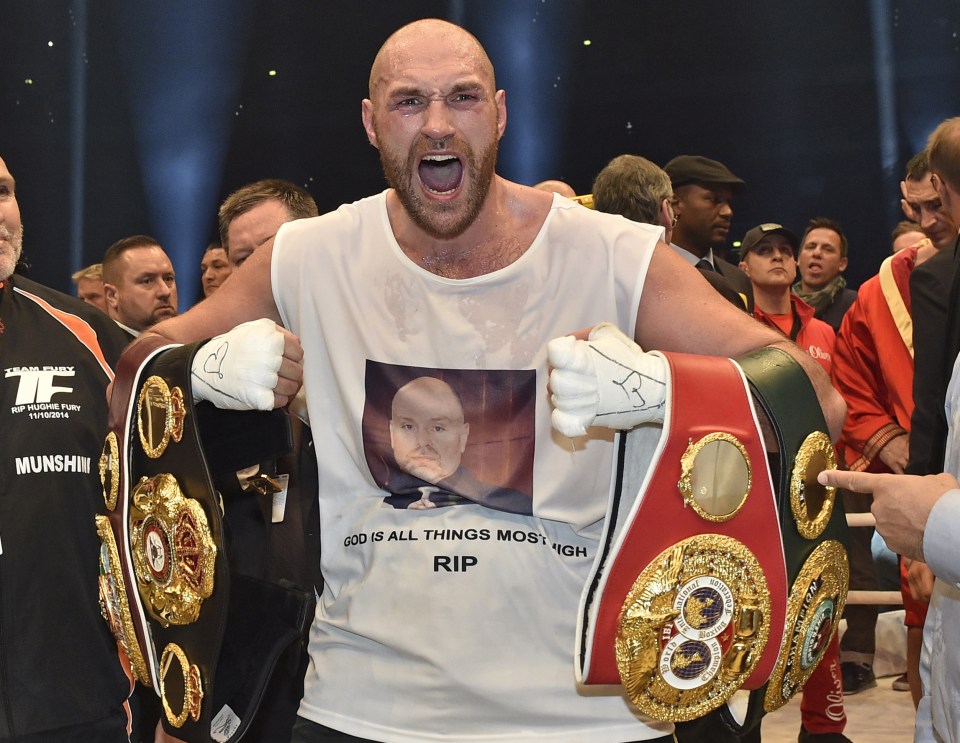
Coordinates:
675 296
245 295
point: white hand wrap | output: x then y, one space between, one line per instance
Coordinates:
238 370
607 380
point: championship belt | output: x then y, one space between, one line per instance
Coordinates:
688 598
656 557
205 640
812 522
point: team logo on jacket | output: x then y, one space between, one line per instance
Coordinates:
42 391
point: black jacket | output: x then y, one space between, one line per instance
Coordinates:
59 664
933 355
833 313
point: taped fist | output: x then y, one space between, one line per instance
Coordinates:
255 366
606 380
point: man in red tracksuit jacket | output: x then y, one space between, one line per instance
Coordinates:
768 257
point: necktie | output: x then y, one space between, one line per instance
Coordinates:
704 265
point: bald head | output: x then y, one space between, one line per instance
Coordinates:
438 39
427 430
554 186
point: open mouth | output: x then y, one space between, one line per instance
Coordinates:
440 174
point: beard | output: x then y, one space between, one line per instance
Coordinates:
9 257
449 219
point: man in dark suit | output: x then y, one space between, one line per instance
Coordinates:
139 283
929 296
639 190
703 191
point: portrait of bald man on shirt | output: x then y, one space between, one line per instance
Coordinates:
429 433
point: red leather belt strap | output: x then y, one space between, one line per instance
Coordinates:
706 395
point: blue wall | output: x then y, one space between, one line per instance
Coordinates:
141 116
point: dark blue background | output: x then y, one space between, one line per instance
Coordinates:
142 116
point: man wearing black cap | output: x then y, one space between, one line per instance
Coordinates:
703 189
639 190
768 259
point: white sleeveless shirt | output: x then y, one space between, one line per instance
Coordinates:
455 622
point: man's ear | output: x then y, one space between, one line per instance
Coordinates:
668 217
843 264
907 211
111 295
366 114
501 100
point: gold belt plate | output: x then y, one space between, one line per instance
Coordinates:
693 627
814 607
174 552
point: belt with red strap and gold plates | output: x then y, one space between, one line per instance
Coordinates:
689 598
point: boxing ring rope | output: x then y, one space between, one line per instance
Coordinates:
870 597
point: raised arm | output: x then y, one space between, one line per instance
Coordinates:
679 311
241 368
245 295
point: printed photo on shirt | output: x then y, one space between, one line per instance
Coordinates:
444 437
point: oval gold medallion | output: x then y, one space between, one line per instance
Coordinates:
160 416
715 476
810 502
693 627
109 468
182 683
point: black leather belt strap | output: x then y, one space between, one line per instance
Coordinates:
209 653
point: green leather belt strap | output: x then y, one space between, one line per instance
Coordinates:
784 392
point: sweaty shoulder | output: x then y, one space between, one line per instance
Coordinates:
330 231
584 222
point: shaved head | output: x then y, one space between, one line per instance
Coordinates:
427 431
398 50
436 118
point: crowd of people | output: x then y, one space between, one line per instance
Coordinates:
418 331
